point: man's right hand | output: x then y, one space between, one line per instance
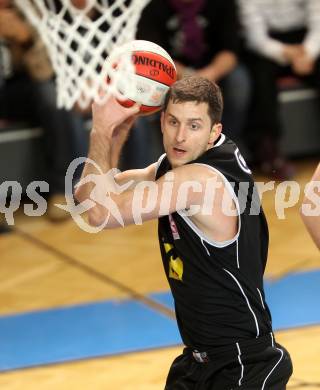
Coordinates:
111 123
110 116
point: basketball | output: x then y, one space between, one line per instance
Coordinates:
152 73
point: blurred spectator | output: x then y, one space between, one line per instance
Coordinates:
28 93
202 37
312 222
282 38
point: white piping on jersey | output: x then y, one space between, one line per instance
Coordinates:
241 365
204 245
237 244
221 140
160 159
261 298
281 352
272 339
247 300
218 244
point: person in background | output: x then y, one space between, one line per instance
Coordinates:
282 38
28 93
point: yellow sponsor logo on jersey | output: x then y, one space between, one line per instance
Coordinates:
175 265
175 268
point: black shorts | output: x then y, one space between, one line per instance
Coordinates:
260 364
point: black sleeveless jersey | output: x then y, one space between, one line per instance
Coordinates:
218 286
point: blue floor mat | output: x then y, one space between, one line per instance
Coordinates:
113 327
80 332
294 300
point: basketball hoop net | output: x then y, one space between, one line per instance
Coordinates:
78 42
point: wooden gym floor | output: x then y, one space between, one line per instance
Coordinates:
45 265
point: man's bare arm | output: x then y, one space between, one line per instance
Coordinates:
111 124
135 176
183 188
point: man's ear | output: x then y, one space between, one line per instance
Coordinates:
215 133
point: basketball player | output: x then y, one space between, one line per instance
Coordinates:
312 222
214 261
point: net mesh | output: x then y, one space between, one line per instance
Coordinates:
78 42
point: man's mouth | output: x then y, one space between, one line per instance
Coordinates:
179 151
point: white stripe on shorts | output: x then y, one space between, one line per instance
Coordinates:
264 382
240 362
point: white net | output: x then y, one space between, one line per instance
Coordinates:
79 40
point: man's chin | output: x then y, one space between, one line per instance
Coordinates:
175 163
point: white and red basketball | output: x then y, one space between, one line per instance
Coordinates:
152 74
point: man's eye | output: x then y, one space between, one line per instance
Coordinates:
172 122
194 126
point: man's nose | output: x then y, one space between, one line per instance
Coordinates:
181 134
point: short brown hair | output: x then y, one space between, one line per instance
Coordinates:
200 90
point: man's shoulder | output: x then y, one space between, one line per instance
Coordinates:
226 158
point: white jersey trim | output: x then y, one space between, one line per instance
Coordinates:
204 245
221 140
272 339
261 298
160 159
238 264
247 300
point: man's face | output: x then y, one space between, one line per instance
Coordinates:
187 131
